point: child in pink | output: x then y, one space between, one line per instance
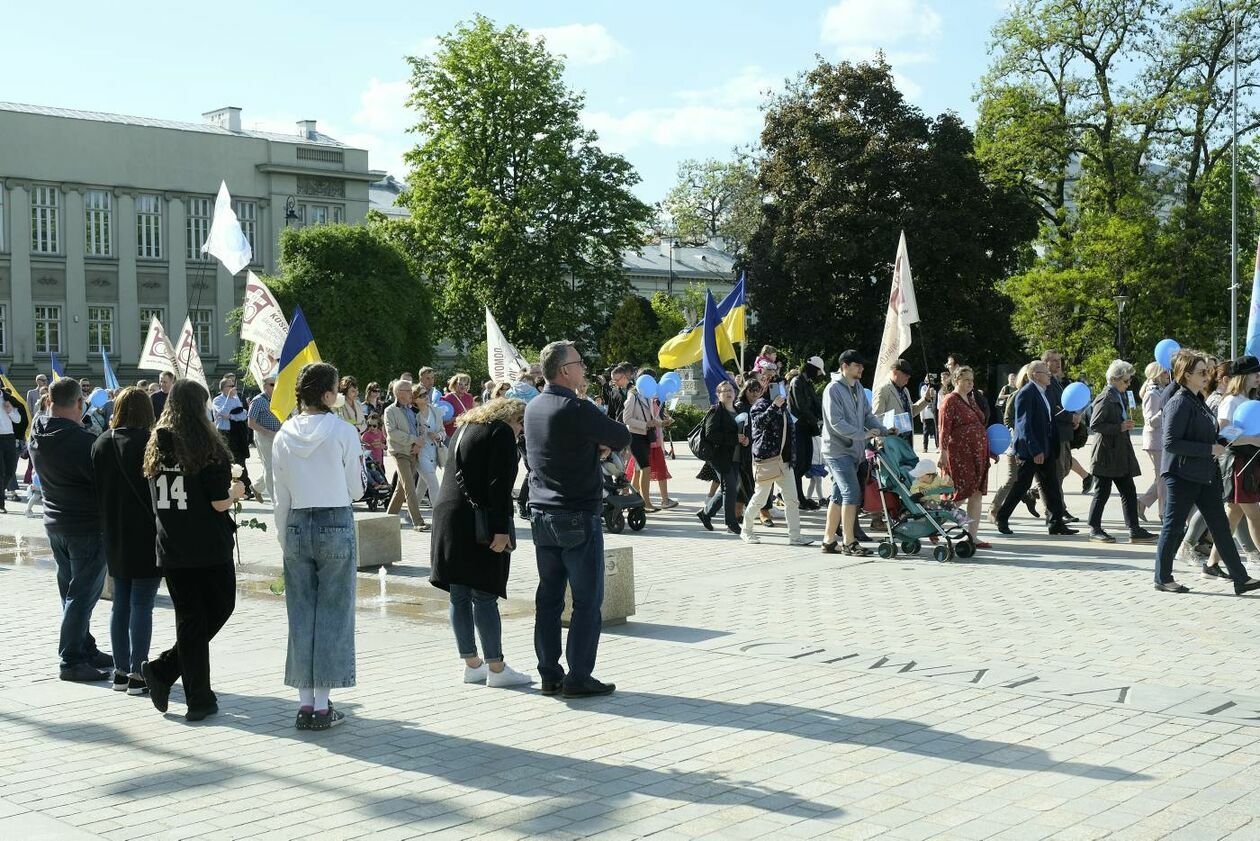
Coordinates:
374 439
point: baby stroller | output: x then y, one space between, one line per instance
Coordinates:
622 503
376 490
909 521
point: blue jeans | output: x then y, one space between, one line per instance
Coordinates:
471 607
319 589
80 578
845 487
569 547
1184 495
131 622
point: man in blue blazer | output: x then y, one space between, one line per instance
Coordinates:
1036 448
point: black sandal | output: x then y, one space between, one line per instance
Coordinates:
856 549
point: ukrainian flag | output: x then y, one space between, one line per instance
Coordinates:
688 346
17 395
57 371
299 349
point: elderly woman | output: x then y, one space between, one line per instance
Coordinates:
1241 465
432 436
1192 474
965 446
459 396
472 570
1113 461
1152 394
349 409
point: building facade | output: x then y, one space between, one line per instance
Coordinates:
102 218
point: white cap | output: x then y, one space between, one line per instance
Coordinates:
817 362
924 467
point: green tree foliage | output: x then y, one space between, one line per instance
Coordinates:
633 335
1113 116
513 205
848 165
715 199
370 314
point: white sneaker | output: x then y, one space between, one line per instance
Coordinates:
800 541
477 675
749 537
508 677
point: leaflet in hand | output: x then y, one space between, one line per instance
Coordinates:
897 421
1231 433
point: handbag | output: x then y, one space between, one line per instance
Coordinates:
483 533
770 469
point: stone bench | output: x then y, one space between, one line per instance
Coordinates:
618 588
380 540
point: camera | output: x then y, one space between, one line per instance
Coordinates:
932 379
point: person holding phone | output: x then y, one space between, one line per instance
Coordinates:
471 563
772 452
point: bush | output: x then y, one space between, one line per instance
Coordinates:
686 417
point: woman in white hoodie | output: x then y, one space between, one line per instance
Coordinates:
315 458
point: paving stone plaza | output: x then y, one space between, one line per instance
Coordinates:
1042 689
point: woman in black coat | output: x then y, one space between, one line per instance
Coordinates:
130 532
722 438
1113 461
1192 445
480 472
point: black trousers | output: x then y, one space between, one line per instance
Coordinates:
8 464
240 454
728 497
801 459
204 598
1047 478
929 431
1128 499
1183 496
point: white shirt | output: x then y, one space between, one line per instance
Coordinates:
315 462
1229 404
7 419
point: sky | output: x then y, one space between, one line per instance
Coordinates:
663 81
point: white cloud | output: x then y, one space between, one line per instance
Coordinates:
580 43
383 106
906 31
726 114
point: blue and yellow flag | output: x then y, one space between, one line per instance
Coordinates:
714 339
299 349
57 371
687 347
17 395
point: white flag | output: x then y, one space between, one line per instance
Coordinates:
263 363
501 358
262 320
187 358
227 241
903 310
157 355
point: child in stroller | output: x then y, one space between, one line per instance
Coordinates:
914 515
376 490
622 503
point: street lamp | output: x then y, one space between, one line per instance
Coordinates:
1122 301
290 211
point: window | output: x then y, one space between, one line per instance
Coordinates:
47 329
199 215
100 329
147 314
339 214
45 220
98 218
4 324
149 226
316 214
203 330
247 214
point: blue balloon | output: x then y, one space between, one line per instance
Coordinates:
1075 397
665 390
446 410
671 377
98 398
870 397
1164 353
741 418
646 385
1247 417
999 439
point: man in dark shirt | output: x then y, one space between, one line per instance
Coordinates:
165 381
618 386
62 453
565 437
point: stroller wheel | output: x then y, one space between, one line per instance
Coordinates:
636 518
911 547
887 549
965 548
616 523
941 552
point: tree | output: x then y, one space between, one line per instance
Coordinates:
371 316
715 199
848 165
513 204
633 335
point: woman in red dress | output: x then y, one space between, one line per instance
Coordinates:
460 399
965 446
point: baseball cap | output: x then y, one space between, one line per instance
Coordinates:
851 356
817 362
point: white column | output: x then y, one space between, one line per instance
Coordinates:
21 311
224 301
127 332
73 228
177 271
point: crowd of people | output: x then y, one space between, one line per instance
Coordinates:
140 484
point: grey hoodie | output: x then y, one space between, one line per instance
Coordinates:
846 417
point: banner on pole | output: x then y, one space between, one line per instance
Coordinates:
157 353
227 242
262 320
903 310
187 358
502 360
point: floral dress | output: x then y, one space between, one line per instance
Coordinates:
965 445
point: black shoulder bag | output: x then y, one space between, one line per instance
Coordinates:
483 533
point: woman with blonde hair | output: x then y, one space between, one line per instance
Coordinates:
473 536
460 398
1152 396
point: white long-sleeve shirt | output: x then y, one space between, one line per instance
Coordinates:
7 419
315 463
